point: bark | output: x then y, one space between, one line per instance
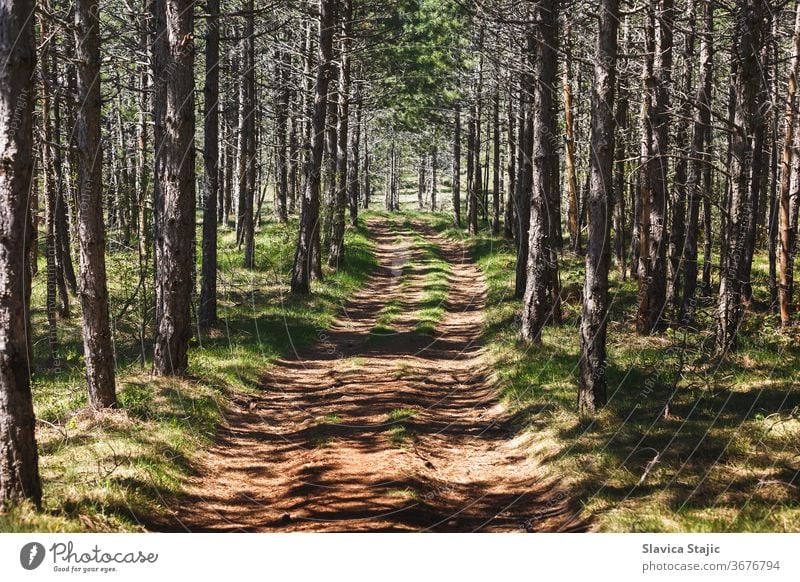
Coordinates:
621 120
434 177
653 283
421 181
541 299
511 157
63 259
207 314
309 209
19 466
748 112
337 251
249 104
592 385
49 186
569 158
678 234
496 194
282 128
97 341
457 166
354 158
698 159
524 178
786 232
173 66
472 175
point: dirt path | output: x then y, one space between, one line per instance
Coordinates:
367 433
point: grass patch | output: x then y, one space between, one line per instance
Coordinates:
399 433
113 471
726 457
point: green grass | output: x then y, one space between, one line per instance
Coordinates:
113 471
729 448
399 433
434 271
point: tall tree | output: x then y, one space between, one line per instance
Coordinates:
207 314
97 341
785 229
749 34
248 178
653 281
541 302
309 209
592 384
698 159
336 251
457 164
19 464
173 71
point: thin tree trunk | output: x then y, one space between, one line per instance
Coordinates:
592 385
97 341
249 104
569 130
748 113
698 159
49 186
207 314
621 120
678 234
511 153
309 210
787 233
496 194
457 166
654 284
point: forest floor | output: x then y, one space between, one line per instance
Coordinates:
390 422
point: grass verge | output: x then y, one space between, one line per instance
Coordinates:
114 471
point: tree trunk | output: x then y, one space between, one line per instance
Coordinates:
592 385
541 300
472 178
249 104
173 70
698 158
569 131
748 113
787 233
63 259
434 176
97 341
207 314
654 282
524 178
282 128
511 125
49 186
620 183
354 158
337 251
19 465
457 166
421 181
309 209
678 234
496 164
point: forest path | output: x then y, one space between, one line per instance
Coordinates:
390 431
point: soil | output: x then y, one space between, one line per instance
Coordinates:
380 432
